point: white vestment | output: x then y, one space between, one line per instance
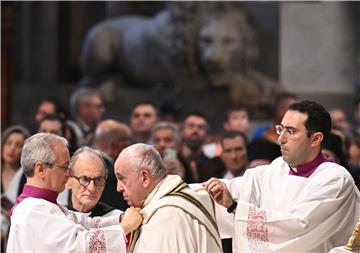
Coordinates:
38 225
281 212
11 194
177 219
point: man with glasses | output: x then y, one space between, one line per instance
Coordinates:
87 183
39 224
87 109
301 202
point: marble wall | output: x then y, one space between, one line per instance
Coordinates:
312 48
319 50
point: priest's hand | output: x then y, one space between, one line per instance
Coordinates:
218 191
131 219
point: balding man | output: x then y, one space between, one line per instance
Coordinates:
111 137
176 218
87 183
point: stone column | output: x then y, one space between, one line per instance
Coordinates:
38 39
318 50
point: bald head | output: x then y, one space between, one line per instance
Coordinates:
112 136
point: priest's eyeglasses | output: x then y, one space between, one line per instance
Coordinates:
288 130
85 181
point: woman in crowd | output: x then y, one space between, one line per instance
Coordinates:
11 145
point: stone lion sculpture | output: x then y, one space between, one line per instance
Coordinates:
194 45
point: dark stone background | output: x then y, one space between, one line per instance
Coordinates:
41 44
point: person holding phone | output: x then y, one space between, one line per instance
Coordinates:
166 140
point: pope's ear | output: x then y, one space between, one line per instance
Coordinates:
145 177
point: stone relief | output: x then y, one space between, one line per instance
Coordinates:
194 46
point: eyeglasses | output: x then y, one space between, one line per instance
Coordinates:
280 129
51 165
85 181
288 130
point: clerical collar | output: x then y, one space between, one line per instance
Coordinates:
31 191
307 169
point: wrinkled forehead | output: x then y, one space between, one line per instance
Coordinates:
122 165
89 165
61 152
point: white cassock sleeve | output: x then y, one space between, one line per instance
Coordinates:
292 214
88 222
40 226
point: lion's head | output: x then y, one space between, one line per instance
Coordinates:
214 39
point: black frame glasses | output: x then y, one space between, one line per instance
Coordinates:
85 181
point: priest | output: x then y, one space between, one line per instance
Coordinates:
39 224
301 202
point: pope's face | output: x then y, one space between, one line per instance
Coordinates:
129 183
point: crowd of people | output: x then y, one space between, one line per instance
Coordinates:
100 185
